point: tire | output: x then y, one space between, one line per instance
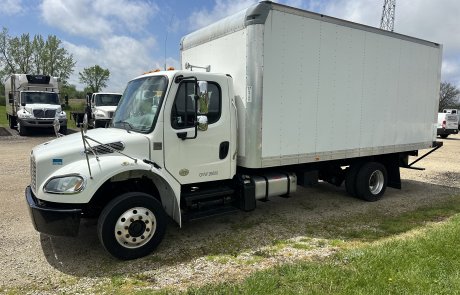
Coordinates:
350 179
371 181
22 130
63 130
444 135
132 225
10 122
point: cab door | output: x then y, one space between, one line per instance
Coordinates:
206 157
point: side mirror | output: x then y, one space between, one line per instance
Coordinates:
10 98
63 105
23 104
203 106
84 124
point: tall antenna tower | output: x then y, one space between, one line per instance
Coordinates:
388 15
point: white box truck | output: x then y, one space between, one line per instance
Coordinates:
103 105
33 102
288 98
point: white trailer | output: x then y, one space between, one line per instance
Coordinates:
293 97
33 102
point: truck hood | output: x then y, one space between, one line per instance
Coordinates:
53 154
106 108
40 106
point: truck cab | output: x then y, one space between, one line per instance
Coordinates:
151 156
103 105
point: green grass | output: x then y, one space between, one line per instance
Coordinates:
426 262
75 105
3 120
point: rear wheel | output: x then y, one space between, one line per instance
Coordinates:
350 179
132 225
11 122
444 135
371 181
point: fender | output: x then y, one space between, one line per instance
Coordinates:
115 167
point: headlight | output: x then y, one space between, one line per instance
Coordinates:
24 114
67 184
100 115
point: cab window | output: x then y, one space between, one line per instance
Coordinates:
183 110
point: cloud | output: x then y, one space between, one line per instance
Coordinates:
124 56
96 18
10 7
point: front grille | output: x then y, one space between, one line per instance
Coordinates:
110 114
50 113
107 148
44 113
33 174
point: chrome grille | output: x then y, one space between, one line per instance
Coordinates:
33 174
44 113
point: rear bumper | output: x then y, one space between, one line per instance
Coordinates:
52 221
442 131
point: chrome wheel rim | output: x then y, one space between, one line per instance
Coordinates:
376 182
135 227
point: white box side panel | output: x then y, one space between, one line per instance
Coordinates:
335 89
289 102
226 55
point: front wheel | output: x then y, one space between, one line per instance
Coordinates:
21 129
444 135
132 225
371 181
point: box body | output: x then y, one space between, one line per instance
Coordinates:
313 88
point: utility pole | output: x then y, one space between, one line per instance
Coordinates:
387 21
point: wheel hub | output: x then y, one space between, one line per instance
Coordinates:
376 182
135 227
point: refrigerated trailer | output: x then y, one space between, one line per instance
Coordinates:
269 98
33 102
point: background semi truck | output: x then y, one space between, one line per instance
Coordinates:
274 97
33 102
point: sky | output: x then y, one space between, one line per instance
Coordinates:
130 37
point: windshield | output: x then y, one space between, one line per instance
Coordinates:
107 99
39 97
139 106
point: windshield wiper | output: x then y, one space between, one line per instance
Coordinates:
124 124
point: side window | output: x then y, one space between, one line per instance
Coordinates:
215 100
183 110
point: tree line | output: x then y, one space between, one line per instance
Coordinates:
38 55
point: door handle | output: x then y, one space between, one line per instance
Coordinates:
223 149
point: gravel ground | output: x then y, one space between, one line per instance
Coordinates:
216 249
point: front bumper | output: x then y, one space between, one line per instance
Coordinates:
52 221
44 123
